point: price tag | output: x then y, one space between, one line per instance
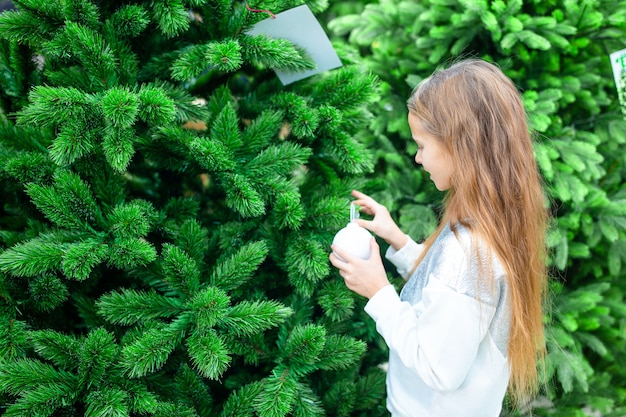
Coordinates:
300 26
618 63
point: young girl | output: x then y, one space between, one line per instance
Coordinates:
468 321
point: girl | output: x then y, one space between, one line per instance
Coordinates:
468 321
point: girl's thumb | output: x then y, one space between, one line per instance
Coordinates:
374 248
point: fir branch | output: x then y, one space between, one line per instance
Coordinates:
107 402
193 239
241 195
280 159
225 127
347 154
118 146
94 53
97 355
302 347
341 397
171 17
129 307
208 353
119 107
28 139
289 102
232 272
279 54
307 403
222 56
150 351
62 350
47 292
32 258
25 27
250 317
45 399
69 203
169 147
155 106
129 21
167 409
140 400
347 88
83 12
22 376
370 389
211 154
182 209
51 106
336 301
80 258
129 220
330 120
128 253
253 349
278 395
339 352
260 132
108 186
41 9
219 99
288 210
179 270
187 106
193 390
13 333
240 403
11 71
209 306
307 262
73 142
305 123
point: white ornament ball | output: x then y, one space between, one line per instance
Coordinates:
355 240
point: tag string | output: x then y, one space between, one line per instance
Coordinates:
260 11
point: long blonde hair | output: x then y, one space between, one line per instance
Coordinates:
477 113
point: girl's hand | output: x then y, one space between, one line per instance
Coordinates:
382 224
363 276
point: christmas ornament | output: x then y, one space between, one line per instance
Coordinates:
353 238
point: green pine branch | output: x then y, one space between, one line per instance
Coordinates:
130 307
249 317
236 269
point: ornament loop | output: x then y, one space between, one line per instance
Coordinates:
354 212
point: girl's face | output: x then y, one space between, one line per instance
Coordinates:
432 155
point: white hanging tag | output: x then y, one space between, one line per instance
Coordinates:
300 26
618 63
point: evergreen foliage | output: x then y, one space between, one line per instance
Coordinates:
557 52
167 213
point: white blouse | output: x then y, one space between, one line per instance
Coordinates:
447 332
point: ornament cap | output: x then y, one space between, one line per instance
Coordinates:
354 238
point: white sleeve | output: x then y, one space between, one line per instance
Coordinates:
404 258
439 337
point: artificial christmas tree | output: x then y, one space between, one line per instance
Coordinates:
167 213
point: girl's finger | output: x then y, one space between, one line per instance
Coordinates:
336 262
366 224
359 194
341 255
